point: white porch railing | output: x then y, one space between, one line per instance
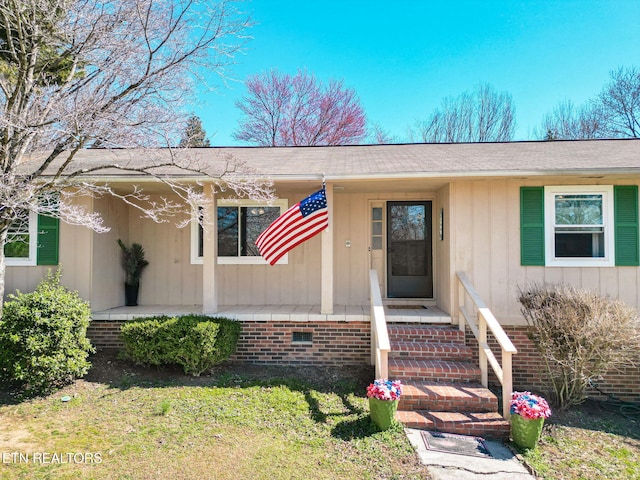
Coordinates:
380 345
486 319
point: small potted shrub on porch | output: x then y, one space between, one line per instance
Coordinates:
134 263
384 396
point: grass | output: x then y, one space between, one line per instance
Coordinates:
125 422
225 426
593 441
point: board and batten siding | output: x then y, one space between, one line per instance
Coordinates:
170 278
107 273
351 219
486 245
294 283
443 286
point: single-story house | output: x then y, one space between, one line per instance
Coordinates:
427 219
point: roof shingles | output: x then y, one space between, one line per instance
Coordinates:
378 161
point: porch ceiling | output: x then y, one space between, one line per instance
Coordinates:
408 185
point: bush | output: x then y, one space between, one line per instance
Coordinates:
43 343
196 342
580 336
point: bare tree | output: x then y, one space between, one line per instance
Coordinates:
568 122
613 113
620 103
483 115
97 73
380 136
283 110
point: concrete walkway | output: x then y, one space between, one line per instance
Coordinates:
450 466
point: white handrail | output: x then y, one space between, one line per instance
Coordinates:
380 345
479 330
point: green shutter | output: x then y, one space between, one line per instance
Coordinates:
626 225
47 252
532 226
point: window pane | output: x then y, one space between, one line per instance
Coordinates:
578 209
17 247
579 244
377 213
376 243
200 233
376 228
228 231
257 219
407 222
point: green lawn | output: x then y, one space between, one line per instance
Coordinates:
128 425
252 422
592 441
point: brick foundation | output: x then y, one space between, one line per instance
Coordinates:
528 366
105 334
271 342
334 343
349 343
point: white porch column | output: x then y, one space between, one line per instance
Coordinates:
210 253
326 258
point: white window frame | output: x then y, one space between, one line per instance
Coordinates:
195 238
606 191
31 260
282 203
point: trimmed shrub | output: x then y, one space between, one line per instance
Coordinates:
43 342
580 336
195 342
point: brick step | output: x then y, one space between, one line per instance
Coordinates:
425 333
451 397
445 371
430 351
477 424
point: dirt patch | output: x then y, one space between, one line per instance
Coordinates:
107 367
14 438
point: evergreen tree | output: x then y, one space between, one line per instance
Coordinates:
194 135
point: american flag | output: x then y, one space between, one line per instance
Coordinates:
302 221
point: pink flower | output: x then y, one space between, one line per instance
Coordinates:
529 406
383 389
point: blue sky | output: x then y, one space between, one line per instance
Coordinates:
403 57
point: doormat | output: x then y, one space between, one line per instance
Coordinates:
458 444
407 307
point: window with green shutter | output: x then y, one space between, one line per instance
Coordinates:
33 241
585 225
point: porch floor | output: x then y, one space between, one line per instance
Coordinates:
295 313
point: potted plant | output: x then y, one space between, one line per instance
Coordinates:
528 412
134 263
383 401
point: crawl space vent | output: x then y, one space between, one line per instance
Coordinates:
302 337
